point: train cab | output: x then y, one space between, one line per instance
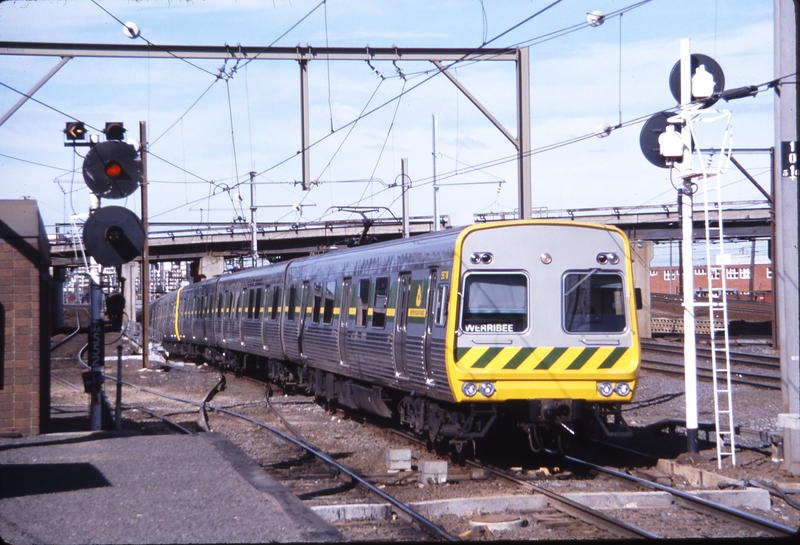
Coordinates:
542 314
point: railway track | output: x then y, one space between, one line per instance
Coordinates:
319 479
295 438
759 370
698 504
752 310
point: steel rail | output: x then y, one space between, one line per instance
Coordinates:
136 407
679 371
711 371
218 387
71 335
736 357
582 512
699 504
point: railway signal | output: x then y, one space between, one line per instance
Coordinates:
75 130
114 130
696 82
113 169
113 235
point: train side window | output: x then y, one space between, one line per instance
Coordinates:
219 305
239 303
362 302
330 297
291 303
305 293
593 302
441 304
250 303
495 303
259 303
276 301
380 301
317 303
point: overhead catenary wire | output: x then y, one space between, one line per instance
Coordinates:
229 75
151 44
323 4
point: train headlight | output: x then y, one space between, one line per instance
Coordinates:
484 257
605 389
546 258
623 389
469 389
608 258
487 389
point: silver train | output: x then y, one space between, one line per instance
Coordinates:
529 323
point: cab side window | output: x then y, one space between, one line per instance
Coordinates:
380 301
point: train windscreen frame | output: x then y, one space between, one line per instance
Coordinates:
594 302
495 302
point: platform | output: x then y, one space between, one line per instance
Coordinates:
105 487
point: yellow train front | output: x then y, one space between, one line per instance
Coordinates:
544 325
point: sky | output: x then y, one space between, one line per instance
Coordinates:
207 133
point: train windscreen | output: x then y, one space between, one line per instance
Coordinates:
593 302
495 303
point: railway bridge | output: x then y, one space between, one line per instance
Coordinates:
282 240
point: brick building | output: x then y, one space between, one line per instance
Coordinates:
740 280
24 319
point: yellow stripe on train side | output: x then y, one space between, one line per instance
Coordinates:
177 312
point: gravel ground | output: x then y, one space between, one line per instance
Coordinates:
362 446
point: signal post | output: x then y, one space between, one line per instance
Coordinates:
112 236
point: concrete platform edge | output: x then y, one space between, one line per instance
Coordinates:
315 527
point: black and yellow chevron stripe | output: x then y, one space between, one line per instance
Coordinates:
539 358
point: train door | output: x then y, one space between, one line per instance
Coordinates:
303 317
430 318
344 320
401 326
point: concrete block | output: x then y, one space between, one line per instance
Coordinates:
398 458
695 476
361 511
432 471
485 504
622 500
754 498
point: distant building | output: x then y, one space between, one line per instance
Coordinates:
741 281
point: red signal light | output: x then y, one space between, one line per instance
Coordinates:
113 169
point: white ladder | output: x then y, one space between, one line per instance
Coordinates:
718 308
